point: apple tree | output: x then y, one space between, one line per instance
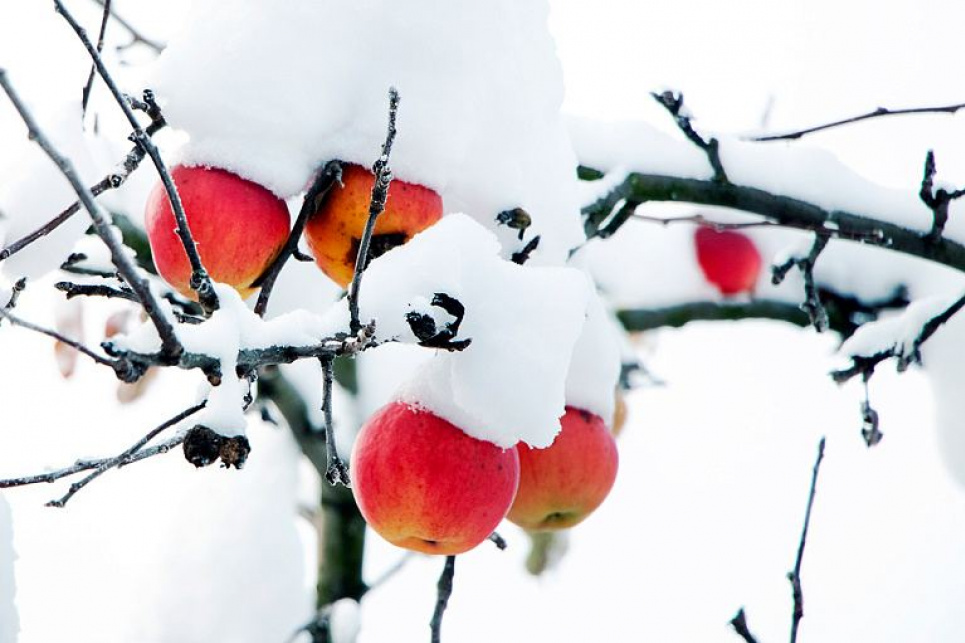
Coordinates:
355 255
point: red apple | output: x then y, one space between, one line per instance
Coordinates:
239 228
423 484
335 230
561 485
729 259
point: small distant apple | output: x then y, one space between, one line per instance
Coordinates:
423 484
335 230
728 259
561 485
238 225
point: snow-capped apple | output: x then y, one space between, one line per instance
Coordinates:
335 230
423 484
238 226
561 485
728 259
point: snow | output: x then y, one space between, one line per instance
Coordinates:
897 334
344 621
9 622
591 380
480 94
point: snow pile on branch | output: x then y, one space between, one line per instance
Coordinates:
294 84
8 612
898 335
509 384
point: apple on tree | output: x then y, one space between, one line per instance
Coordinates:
561 485
239 227
423 484
335 230
728 259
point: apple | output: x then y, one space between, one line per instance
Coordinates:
334 231
423 484
561 485
620 412
728 259
238 226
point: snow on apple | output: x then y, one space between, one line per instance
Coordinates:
479 121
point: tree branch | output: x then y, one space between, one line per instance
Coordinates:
444 588
136 35
380 192
739 623
876 113
674 103
85 95
795 575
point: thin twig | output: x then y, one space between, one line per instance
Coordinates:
136 35
812 299
380 192
877 113
16 321
100 47
795 575
124 457
739 623
444 588
200 280
674 103
171 347
311 203
938 200
18 287
72 290
335 470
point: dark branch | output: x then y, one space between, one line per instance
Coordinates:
94 290
335 470
200 281
171 348
16 321
936 200
380 192
739 623
786 211
85 96
877 113
795 575
812 305
674 103
312 203
124 457
136 35
444 588
18 287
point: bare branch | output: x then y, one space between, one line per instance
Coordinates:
18 287
936 200
136 35
380 192
171 348
125 457
812 300
16 321
335 470
310 204
876 113
795 575
85 96
94 290
200 281
444 588
739 623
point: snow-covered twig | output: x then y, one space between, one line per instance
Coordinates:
936 200
444 588
170 346
136 35
674 103
739 623
313 200
200 280
380 192
877 113
795 575
812 300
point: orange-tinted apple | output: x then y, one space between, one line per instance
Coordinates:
561 485
423 484
620 412
728 259
239 227
335 230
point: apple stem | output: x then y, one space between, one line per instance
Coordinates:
200 280
380 192
444 587
171 348
315 196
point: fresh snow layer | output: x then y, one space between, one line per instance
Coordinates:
510 383
591 380
9 623
292 85
898 333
